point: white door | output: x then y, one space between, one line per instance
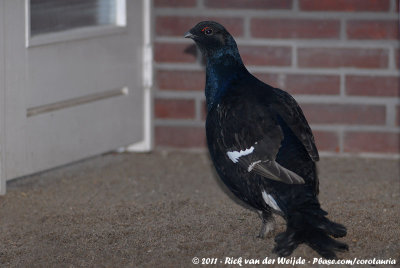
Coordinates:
73 81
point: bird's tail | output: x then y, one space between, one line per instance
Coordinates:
309 225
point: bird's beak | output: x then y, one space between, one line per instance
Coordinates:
189 35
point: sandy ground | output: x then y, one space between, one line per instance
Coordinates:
163 209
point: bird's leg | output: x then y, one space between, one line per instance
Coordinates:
268 223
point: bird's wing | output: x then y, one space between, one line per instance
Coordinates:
288 109
251 138
270 169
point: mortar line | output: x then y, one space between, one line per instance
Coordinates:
324 43
246 28
274 13
356 100
391 115
178 94
295 7
314 127
343 27
361 128
178 123
294 56
198 110
340 133
342 84
168 96
392 8
328 154
289 69
392 56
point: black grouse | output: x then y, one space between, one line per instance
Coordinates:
262 147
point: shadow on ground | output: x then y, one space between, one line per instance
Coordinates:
163 209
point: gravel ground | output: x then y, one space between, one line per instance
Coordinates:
165 208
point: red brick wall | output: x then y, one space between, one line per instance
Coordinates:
339 58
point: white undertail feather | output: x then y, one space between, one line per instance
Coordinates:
270 201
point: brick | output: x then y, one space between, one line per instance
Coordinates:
167 52
270 79
374 142
180 80
373 29
304 84
270 55
344 114
312 84
295 28
397 58
345 5
175 3
204 110
343 57
362 85
326 141
177 26
249 4
181 137
174 108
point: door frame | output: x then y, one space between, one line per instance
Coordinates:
147 143
143 146
2 99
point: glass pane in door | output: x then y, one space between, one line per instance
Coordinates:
48 16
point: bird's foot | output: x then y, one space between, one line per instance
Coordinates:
267 228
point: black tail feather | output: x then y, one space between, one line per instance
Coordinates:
331 228
325 245
286 243
314 229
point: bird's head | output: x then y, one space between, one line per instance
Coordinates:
212 39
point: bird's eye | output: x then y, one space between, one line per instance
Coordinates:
208 31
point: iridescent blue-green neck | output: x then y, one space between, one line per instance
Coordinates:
223 69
